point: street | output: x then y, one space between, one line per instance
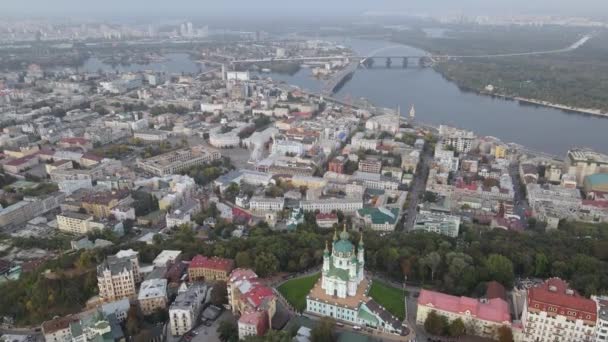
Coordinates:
520 204
418 187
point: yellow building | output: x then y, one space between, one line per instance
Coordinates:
101 204
76 223
209 268
500 152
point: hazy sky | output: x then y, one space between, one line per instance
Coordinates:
295 7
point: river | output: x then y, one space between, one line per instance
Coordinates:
437 100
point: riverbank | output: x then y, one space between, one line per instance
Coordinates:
467 81
524 100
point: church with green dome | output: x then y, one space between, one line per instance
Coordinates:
343 268
341 292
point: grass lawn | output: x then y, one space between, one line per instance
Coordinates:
295 290
392 298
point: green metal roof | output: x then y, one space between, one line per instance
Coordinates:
367 316
380 215
343 246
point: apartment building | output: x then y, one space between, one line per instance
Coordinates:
370 165
133 257
152 295
258 203
458 140
555 312
583 163
29 208
176 161
100 204
254 302
184 311
115 279
327 205
153 136
487 315
439 223
224 140
77 223
202 267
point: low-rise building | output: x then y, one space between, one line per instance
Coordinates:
596 182
488 315
254 302
100 204
202 267
258 203
326 220
152 295
337 165
437 222
153 136
327 205
29 208
380 219
370 165
183 215
582 163
58 329
224 140
77 223
166 257
176 161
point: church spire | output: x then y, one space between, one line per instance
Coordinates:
344 235
326 251
335 234
361 240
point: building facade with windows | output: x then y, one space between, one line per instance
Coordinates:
184 311
115 279
152 296
487 315
77 223
258 203
555 312
439 223
252 301
214 268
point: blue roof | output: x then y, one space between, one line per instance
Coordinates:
598 179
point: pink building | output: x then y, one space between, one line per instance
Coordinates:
486 314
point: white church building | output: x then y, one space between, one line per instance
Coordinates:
341 292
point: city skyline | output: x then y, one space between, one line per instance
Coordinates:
117 8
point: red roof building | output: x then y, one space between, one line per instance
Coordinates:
337 165
326 220
252 300
495 289
488 314
81 143
554 304
214 268
253 323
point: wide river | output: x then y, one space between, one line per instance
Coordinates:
439 101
